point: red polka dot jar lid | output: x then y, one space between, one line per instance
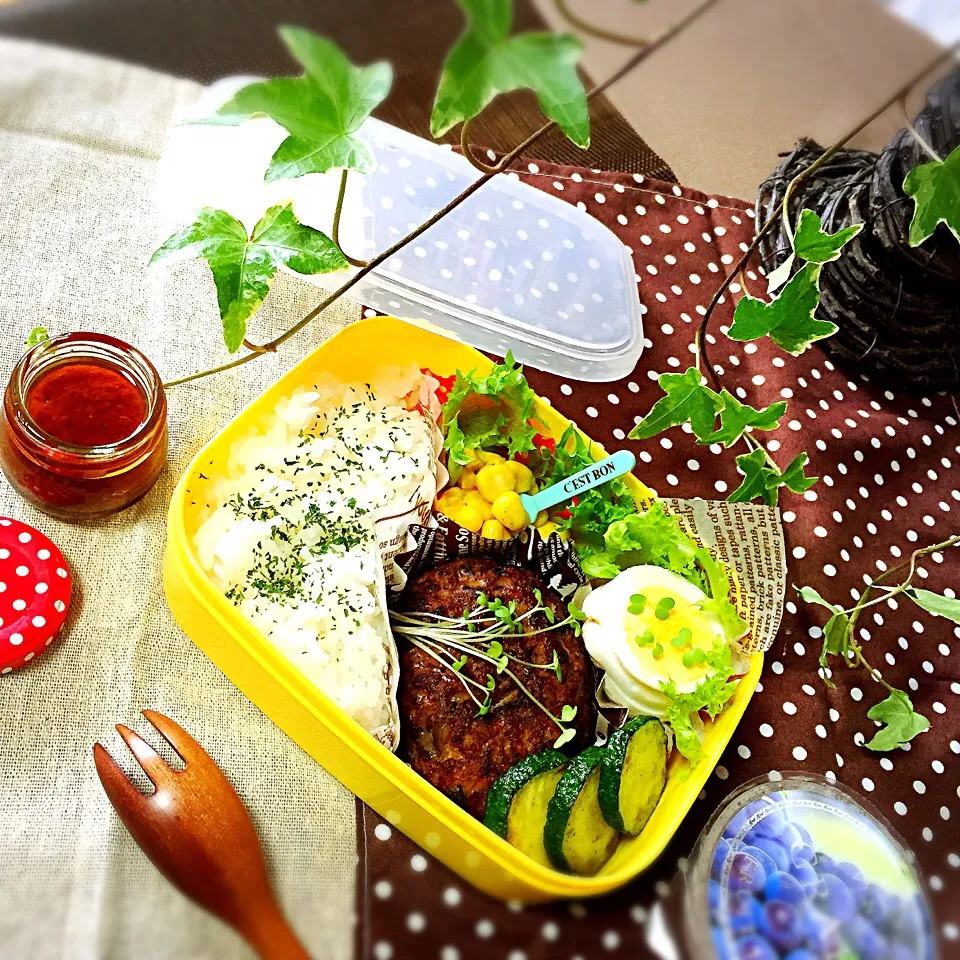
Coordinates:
34 593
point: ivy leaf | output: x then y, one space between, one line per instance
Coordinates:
243 268
935 188
812 244
487 61
778 277
810 595
902 722
794 479
790 319
686 399
836 642
762 479
36 336
321 110
935 603
755 470
735 417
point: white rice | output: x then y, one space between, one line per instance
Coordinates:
292 541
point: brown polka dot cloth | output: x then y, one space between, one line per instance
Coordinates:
889 483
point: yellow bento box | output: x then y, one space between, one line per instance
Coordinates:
321 728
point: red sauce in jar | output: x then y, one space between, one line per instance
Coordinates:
86 404
84 426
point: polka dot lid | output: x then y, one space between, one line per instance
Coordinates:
34 593
802 868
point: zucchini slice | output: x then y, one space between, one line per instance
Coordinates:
633 774
576 837
501 794
528 814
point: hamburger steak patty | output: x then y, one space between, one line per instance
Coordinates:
460 753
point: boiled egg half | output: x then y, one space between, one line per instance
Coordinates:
645 628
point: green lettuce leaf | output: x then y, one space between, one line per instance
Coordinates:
719 589
487 411
709 697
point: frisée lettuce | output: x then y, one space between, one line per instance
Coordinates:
483 412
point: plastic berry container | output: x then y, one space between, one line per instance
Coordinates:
802 869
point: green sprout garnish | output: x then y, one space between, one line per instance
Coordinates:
664 606
479 634
638 603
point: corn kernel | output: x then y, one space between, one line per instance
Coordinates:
542 517
495 530
467 517
494 479
485 457
523 475
476 502
550 527
468 480
449 498
509 510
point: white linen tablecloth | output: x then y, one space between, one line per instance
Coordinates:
80 138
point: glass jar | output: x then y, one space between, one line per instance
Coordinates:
85 426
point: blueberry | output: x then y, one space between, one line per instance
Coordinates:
909 926
851 876
868 943
900 952
774 823
836 899
747 872
804 834
823 863
742 914
822 933
762 857
807 877
776 851
719 856
802 954
782 924
720 945
755 948
714 896
785 888
736 823
872 904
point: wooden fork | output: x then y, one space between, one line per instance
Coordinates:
198 834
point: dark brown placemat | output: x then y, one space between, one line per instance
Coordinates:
890 483
204 40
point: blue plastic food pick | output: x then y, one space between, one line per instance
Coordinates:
617 464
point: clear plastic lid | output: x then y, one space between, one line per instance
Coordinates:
511 268
802 870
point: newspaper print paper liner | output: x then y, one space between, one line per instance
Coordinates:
392 532
553 561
